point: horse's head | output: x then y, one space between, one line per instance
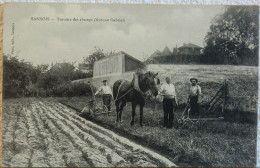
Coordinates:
151 83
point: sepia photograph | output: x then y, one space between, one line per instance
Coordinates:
129 85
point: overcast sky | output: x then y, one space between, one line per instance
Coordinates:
146 29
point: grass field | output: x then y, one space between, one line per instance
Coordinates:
242 80
216 143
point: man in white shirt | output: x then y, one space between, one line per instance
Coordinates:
107 95
168 92
193 96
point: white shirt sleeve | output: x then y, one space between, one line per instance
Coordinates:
199 91
161 88
174 91
98 90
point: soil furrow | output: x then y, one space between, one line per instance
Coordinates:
158 159
22 149
94 157
72 157
125 153
47 134
110 154
53 157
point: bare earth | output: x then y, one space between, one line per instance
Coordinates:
42 133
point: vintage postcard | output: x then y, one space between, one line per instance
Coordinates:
116 85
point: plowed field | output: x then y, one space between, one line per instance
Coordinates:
43 133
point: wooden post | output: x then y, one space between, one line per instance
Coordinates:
225 96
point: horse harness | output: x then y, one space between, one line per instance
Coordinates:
136 87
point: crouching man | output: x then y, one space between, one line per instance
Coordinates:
168 92
107 95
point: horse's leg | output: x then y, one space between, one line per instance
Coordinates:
133 113
141 113
117 103
121 109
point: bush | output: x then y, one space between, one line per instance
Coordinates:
80 89
17 76
69 90
61 89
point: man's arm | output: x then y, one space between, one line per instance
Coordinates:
161 89
98 90
188 96
175 95
199 91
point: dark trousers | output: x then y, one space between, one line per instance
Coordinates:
168 106
107 101
194 105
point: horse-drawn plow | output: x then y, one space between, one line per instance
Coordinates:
96 107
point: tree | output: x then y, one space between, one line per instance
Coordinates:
17 75
233 37
95 55
58 74
64 71
43 68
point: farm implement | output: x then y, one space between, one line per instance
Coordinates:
215 107
94 107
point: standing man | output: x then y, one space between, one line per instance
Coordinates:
106 94
168 92
193 96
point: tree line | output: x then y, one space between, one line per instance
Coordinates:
22 79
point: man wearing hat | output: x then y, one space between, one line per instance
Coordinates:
106 94
168 92
193 96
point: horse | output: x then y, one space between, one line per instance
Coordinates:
141 87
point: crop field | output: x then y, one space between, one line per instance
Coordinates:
45 133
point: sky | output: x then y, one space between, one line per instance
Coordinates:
145 28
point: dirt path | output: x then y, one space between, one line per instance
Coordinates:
48 134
